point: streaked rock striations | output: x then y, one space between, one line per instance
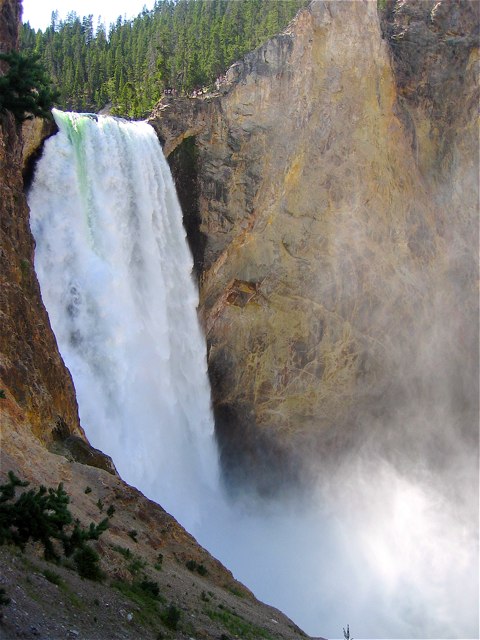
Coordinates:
331 205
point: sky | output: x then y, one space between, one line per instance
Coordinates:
38 12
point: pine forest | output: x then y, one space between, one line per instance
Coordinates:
179 45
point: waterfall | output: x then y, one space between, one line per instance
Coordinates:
375 546
115 273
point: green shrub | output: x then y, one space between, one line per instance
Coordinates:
136 562
147 604
52 576
150 587
2 394
133 535
126 553
24 267
88 490
42 515
192 565
87 562
171 617
39 515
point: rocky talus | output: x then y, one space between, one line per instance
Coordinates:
330 192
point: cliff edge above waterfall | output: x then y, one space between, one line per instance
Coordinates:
331 206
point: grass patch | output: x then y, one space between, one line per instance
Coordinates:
238 626
72 596
142 594
52 576
236 592
126 553
136 565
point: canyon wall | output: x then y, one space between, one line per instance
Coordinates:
32 373
330 195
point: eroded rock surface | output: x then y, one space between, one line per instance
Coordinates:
335 209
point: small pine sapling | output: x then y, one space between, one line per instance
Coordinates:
42 515
346 633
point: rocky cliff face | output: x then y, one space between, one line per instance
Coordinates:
32 373
331 206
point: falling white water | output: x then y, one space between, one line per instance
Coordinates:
115 273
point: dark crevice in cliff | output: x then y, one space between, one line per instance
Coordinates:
184 166
28 171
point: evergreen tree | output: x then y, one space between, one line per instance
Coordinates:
42 515
25 90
